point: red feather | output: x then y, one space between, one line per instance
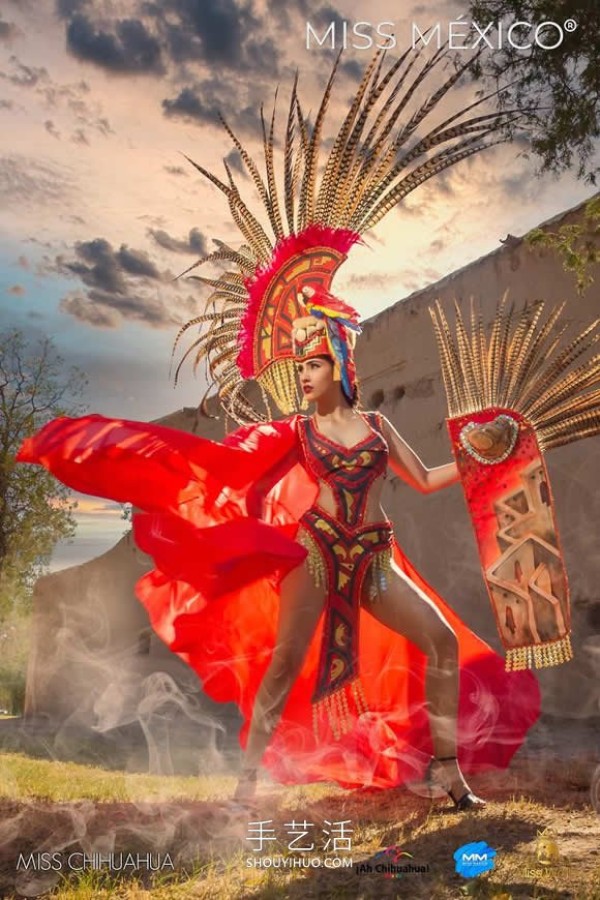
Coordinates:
341 239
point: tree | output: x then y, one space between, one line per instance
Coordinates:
557 90
576 245
35 509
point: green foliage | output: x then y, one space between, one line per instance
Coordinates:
35 509
557 90
14 650
575 244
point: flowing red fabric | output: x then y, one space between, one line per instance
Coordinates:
213 597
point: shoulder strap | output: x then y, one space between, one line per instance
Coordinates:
302 422
375 422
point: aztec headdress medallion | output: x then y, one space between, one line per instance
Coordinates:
384 149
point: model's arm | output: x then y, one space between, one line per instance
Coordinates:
405 463
255 498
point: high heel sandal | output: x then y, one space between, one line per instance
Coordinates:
466 801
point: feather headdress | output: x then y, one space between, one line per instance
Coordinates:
384 149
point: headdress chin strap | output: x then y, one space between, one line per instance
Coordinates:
329 329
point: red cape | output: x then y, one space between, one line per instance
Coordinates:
213 597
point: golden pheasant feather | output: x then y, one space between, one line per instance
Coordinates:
381 152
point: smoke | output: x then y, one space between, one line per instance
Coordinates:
116 696
151 701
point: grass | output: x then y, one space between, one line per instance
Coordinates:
201 850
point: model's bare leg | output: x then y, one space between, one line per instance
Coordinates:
404 608
300 607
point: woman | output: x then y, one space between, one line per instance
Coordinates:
347 454
255 538
397 602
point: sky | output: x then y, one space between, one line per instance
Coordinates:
100 102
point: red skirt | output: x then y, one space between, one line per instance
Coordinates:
213 598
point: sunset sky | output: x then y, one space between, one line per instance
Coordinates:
100 211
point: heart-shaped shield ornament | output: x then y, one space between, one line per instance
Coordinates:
490 442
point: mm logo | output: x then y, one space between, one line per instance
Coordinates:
473 859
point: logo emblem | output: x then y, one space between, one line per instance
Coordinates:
546 849
473 859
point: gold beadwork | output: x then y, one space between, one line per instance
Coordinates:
314 560
336 708
359 696
539 656
280 381
380 568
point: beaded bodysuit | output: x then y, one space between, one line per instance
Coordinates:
343 549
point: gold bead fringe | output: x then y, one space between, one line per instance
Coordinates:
314 560
380 569
539 656
336 709
279 379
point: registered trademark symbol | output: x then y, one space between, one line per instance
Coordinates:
595 790
570 25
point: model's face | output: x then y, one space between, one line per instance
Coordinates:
316 378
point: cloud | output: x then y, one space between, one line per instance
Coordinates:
70 97
188 105
323 16
214 32
54 94
81 308
437 246
89 506
129 48
73 98
195 242
353 68
515 183
368 281
24 75
99 266
234 161
67 8
8 31
30 183
103 310
79 137
120 284
184 40
220 32
226 33
51 128
175 170
203 102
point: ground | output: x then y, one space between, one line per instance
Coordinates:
190 843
